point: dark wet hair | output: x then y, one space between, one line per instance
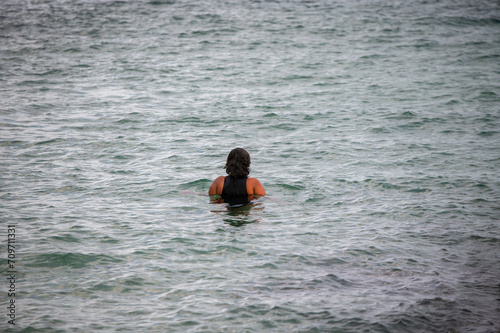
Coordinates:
238 163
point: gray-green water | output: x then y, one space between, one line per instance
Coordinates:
373 125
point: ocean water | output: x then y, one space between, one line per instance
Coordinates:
372 124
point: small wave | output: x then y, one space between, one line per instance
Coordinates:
418 190
372 251
373 184
46 142
66 238
452 102
123 157
411 125
402 116
270 115
126 121
487 240
487 96
461 21
72 260
298 77
202 183
378 130
284 126
289 186
487 133
12 142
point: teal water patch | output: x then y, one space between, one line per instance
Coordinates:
72 260
198 184
66 238
290 187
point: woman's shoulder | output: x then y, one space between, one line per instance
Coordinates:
220 180
217 185
255 186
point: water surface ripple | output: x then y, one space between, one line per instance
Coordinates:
373 125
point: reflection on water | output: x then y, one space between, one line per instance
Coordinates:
238 216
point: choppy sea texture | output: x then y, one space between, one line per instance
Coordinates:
373 126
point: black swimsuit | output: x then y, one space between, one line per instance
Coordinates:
234 191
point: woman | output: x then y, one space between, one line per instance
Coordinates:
236 189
